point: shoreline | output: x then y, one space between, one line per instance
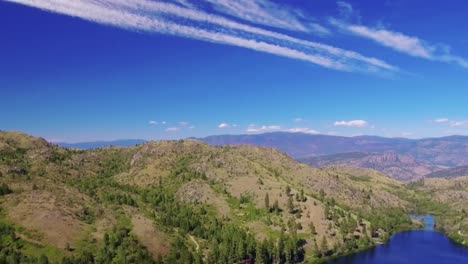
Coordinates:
419 224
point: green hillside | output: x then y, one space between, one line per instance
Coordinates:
188 202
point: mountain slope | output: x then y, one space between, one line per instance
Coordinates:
412 159
449 173
168 200
447 198
402 167
300 145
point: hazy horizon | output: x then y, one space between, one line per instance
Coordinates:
245 134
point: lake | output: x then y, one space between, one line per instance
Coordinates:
416 246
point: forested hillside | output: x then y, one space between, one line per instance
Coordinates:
185 201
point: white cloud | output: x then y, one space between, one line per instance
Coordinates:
255 129
261 12
403 43
183 123
352 123
163 122
395 40
223 125
152 122
191 22
298 119
441 120
172 129
406 134
451 123
302 130
459 123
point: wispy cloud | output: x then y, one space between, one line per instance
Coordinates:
261 12
181 18
152 122
183 123
345 9
441 120
252 128
452 123
269 13
172 129
298 120
395 40
459 123
398 41
302 130
352 123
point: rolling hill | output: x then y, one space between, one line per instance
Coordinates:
405 159
185 201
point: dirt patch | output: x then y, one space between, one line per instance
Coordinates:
155 241
46 216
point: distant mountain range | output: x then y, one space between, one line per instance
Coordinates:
401 158
101 144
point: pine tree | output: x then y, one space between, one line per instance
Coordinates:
280 249
292 226
288 190
302 196
267 202
43 260
312 228
290 205
241 251
276 206
324 246
260 254
317 252
327 211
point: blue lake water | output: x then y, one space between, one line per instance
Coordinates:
424 246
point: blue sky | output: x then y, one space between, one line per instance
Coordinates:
102 70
